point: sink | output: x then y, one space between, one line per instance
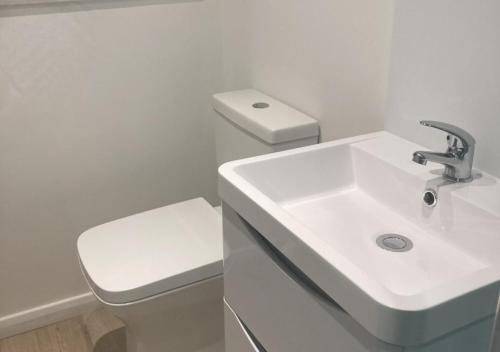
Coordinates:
324 207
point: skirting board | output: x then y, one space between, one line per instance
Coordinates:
46 314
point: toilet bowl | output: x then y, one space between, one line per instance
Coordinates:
187 319
160 271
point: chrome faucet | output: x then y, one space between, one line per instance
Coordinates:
458 157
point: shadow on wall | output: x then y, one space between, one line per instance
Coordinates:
11 8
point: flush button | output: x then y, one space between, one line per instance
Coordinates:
260 105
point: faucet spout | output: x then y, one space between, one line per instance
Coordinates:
422 157
419 158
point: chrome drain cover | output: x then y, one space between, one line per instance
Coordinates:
394 242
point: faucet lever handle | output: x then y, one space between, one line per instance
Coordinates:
455 134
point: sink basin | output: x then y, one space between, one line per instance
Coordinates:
325 206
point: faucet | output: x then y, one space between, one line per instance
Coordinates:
458 157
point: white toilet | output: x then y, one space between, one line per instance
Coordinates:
161 271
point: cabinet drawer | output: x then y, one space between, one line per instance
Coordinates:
238 338
283 309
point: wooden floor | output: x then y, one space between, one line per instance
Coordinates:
66 336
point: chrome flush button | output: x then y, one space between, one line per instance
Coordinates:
260 105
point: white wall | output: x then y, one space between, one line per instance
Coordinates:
103 113
328 58
446 66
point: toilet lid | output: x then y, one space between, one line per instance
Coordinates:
152 252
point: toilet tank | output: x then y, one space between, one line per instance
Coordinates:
250 123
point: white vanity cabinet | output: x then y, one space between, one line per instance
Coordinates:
270 306
306 262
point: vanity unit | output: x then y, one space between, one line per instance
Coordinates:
332 248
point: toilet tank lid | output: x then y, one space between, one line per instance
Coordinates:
265 117
153 252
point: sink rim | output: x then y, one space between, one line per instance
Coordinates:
416 302
237 191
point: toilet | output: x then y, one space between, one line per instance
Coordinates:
160 271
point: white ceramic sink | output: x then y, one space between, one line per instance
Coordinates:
324 206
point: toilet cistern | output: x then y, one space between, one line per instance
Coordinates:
459 156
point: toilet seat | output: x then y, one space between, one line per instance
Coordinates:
150 253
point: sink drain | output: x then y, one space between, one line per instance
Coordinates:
394 242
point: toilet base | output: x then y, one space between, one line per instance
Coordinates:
188 319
